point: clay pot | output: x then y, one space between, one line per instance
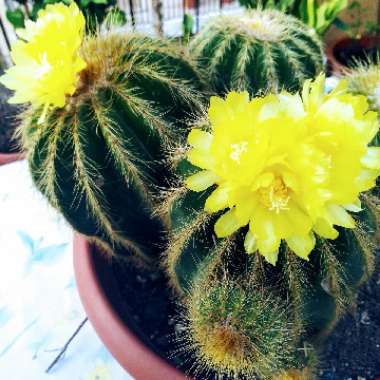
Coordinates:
340 53
100 298
7 158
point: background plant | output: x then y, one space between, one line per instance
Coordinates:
260 51
319 15
95 11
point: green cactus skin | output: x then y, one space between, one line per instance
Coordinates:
100 159
261 50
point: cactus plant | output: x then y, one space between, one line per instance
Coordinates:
261 50
265 179
364 79
238 328
316 287
98 154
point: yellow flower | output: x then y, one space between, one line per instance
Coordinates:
46 57
288 166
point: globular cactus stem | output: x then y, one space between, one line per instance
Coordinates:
260 51
101 158
364 79
240 330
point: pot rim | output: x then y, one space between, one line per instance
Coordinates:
130 351
7 158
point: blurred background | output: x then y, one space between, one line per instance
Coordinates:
171 17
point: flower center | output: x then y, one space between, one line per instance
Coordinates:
275 197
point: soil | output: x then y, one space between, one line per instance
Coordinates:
8 123
352 352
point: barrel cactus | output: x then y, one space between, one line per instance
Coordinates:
268 201
260 50
104 109
364 79
239 328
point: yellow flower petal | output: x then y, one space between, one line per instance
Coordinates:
268 243
324 229
227 224
372 159
198 158
301 245
264 180
201 181
339 216
270 257
218 200
366 179
250 243
354 207
200 139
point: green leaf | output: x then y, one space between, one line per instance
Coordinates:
115 17
187 27
84 3
285 5
353 5
16 18
104 2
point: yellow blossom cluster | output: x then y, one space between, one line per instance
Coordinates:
288 165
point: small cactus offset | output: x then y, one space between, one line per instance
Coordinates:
244 213
235 328
98 152
260 50
364 79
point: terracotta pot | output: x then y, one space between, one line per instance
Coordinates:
99 295
347 44
191 4
7 158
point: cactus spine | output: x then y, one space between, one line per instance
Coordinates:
100 159
263 50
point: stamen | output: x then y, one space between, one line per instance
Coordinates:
276 196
